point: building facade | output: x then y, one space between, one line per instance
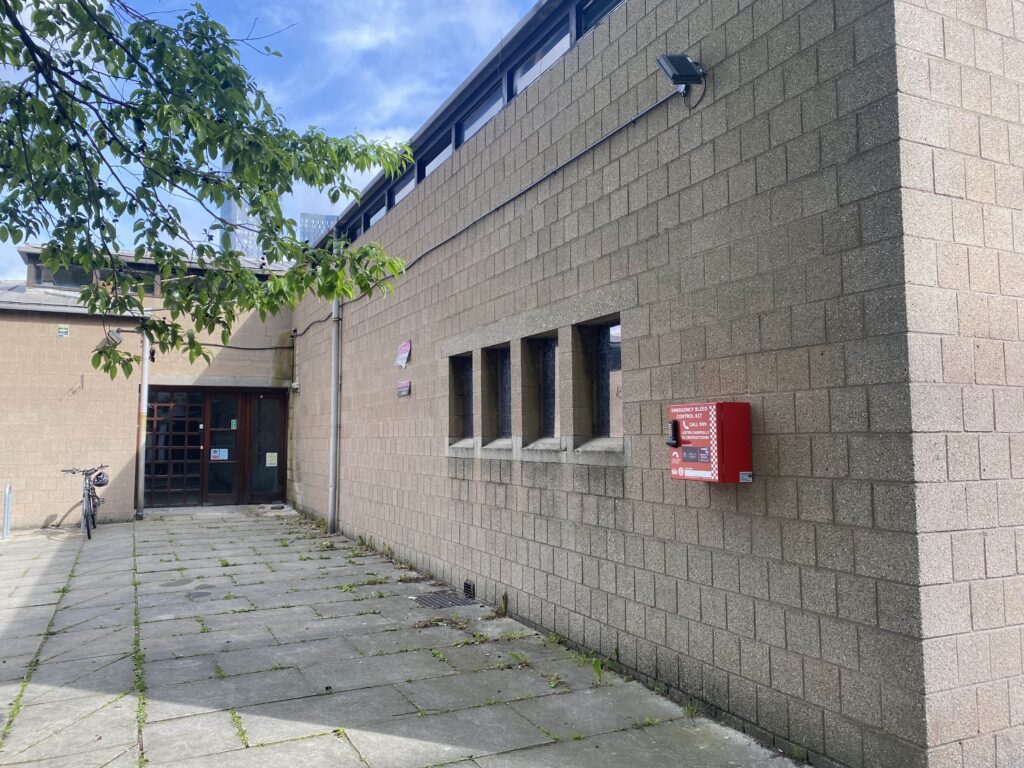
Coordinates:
217 433
833 234
831 229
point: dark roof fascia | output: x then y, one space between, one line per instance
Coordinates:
504 55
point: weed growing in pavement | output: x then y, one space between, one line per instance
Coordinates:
236 720
512 634
519 658
375 595
412 578
554 680
218 672
372 612
691 711
598 671
437 654
203 627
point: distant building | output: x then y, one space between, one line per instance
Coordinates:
313 226
243 238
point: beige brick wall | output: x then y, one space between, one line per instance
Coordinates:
961 71
754 250
310 407
56 411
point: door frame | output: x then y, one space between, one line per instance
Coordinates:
245 395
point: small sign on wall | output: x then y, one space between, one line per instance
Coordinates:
271 459
404 388
218 454
404 349
63 330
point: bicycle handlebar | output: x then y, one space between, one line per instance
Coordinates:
76 470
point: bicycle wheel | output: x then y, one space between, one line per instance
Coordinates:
86 514
94 504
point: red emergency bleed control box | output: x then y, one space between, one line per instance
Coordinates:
710 442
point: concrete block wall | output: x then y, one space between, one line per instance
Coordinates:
961 72
57 411
791 242
310 407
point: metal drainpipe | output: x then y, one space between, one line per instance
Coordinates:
332 477
140 433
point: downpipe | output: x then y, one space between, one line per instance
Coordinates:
140 433
332 449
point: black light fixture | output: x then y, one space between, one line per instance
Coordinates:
684 72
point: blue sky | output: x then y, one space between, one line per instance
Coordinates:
377 66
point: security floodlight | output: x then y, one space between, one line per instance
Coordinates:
683 71
113 338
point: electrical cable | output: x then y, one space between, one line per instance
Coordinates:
508 201
529 187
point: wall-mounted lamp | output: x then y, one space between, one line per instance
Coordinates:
685 73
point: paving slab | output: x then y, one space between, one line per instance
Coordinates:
169 741
698 743
224 693
319 752
597 710
477 688
298 718
283 656
421 741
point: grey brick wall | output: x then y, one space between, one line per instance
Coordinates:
960 71
828 236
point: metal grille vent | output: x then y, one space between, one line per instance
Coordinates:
442 600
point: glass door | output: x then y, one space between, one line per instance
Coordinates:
174 448
266 447
221 455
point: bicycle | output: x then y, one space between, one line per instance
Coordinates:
91 480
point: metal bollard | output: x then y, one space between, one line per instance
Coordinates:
7 513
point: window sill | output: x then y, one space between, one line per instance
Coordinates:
502 448
602 445
462 449
501 444
545 444
606 451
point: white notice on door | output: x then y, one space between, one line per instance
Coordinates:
271 459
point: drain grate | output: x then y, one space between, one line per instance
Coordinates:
443 600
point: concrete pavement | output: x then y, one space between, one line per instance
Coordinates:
220 637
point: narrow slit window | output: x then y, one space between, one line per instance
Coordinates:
481 114
376 213
591 13
460 409
540 389
542 58
496 404
402 189
69 277
435 157
608 381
